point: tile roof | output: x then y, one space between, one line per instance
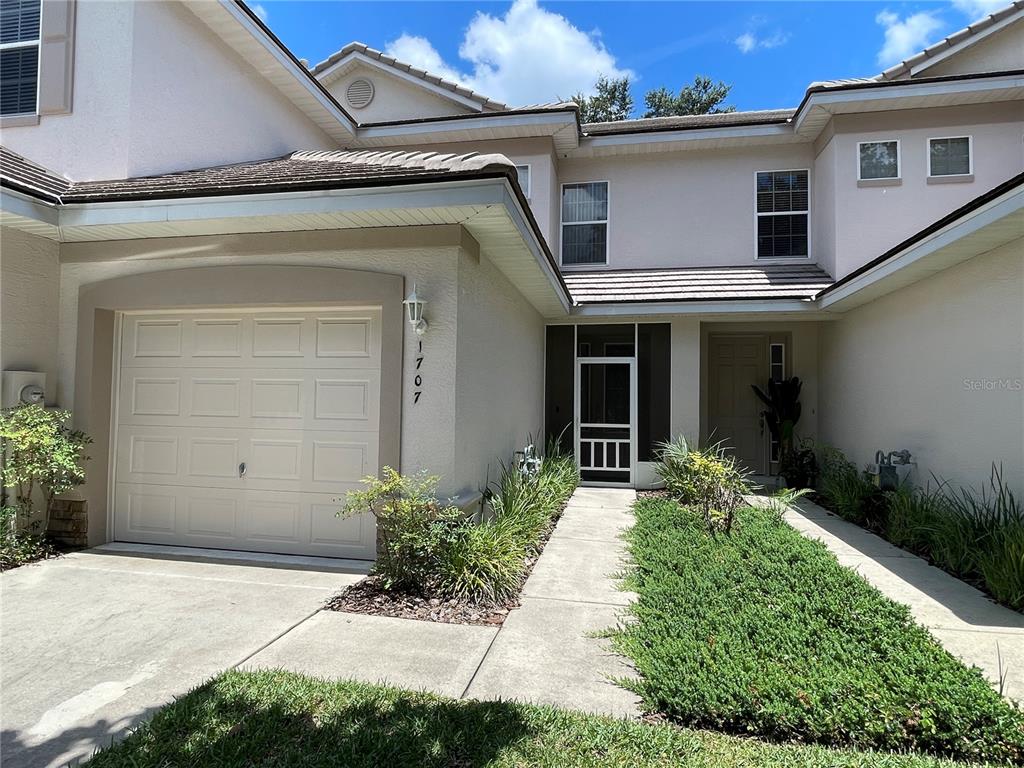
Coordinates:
295 171
763 281
22 174
689 122
373 53
953 40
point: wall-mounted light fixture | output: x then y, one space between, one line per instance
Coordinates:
414 310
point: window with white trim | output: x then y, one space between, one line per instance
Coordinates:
19 56
949 156
782 214
585 223
776 372
523 174
878 160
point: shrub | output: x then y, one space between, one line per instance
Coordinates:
845 489
412 527
19 542
709 479
764 633
799 466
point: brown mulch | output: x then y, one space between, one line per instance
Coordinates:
368 596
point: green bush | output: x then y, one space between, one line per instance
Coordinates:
19 542
709 479
434 549
847 491
413 528
764 633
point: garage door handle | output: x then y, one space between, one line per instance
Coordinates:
241 469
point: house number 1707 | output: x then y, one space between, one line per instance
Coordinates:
418 380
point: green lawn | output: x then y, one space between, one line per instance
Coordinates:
274 718
762 632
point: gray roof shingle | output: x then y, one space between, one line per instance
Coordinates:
295 171
767 281
689 122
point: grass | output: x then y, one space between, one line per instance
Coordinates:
276 718
762 632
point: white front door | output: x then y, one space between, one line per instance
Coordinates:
606 411
245 429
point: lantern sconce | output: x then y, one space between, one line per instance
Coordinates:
414 310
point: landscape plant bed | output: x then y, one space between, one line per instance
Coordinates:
274 718
369 596
762 632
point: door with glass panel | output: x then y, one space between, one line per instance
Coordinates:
605 420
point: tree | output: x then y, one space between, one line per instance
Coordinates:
611 101
704 97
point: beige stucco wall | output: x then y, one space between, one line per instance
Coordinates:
155 91
1000 52
499 394
678 209
29 292
871 220
921 369
393 98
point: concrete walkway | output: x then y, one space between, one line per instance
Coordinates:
543 653
962 618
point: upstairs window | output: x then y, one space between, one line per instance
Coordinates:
949 157
19 56
782 214
523 174
585 223
878 160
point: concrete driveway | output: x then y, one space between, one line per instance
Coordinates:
92 643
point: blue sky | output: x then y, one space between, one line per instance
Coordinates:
527 51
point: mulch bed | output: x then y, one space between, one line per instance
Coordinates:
368 596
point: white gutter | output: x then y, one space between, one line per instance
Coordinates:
988 214
19 204
753 306
776 130
493 122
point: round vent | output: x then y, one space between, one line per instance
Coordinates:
359 93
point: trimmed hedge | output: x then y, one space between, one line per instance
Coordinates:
762 632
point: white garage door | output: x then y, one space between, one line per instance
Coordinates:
244 430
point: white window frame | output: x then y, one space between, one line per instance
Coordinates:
529 177
758 215
899 162
607 222
38 43
970 157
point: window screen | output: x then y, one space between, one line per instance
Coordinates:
949 157
19 58
523 172
878 160
782 213
585 223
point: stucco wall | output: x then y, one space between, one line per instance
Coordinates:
871 220
678 209
29 286
426 255
393 99
155 91
1000 52
921 369
500 373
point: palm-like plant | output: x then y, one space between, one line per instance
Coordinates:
783 410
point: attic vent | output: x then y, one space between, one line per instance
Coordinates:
359 93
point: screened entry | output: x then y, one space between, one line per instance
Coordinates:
607 394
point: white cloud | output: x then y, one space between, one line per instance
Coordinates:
528 55
748 42
905 37
978 9
261 12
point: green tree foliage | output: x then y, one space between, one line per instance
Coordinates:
611 101
703 97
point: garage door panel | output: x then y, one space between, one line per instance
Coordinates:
292 460
289 523
261 398
330 339
293 398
